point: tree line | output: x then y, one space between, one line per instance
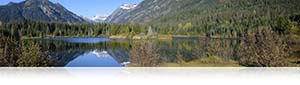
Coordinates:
29 28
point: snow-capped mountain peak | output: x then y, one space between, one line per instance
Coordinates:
128 6
100 17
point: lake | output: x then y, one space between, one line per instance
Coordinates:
105 52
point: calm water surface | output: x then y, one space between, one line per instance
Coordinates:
104 52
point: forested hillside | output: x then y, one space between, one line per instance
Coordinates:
231 18
228 18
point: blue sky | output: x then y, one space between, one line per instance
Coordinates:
87 8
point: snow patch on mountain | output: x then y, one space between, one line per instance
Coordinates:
128 6
100 17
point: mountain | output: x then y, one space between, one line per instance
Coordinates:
226 18
147 10
118 15
174 12
91 21
40 10
100 18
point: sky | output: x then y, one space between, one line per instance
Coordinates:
87 8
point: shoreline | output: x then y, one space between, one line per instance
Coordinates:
137 37
170 37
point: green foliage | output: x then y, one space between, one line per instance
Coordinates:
283 25
287 25
59 29
0 25
226 18
223 18
294 30
32 56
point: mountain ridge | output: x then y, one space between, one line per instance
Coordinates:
227 18
120 12
146 10
37 10
154 10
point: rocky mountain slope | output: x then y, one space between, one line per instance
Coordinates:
174 11
151 9
120 13
40 10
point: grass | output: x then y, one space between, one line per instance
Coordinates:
126 36
161 37
49 36
204 62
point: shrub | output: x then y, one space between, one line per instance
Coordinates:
263 48
32 56
9 49
144 54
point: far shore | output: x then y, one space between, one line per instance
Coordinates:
167 37
138 37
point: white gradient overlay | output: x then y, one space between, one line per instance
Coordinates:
149 76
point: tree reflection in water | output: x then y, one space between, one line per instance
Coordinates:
144 53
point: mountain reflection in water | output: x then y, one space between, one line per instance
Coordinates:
103 52
83 52
94 58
